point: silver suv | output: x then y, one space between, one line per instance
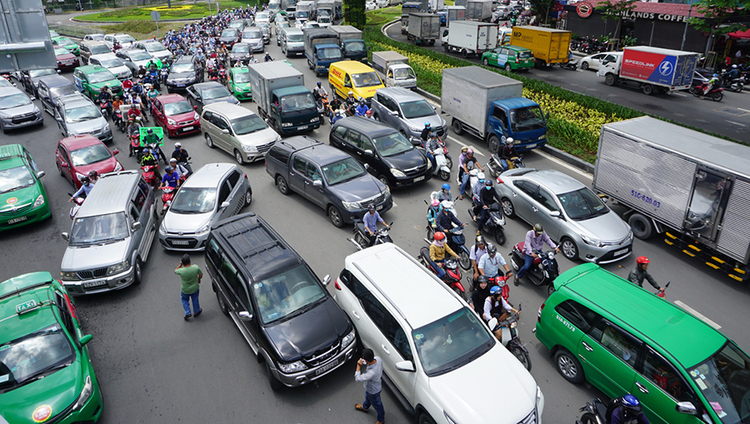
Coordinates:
111 235
237 131
76 115
406 111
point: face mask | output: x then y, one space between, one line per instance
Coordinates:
488 187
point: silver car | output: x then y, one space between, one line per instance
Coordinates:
156 49
254 37
238 131
570 213
113 63
76 115
406 111
17 110
214 192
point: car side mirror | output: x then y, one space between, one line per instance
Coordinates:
245 316
84 340
224 205
367 166
555 214
317 183
115 152
368 152
225 131
686 408
63 164
65 236
40 174
327 280
407 366
136 226
195 107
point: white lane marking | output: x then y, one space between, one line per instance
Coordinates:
469 146
744 110
674 93
702 317
564 164
736 123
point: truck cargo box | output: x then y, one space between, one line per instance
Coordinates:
424 26
549 45
479 10
659 66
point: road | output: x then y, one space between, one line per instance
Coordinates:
155 367
730 117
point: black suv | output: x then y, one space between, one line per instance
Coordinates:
390 156
183 73
281 308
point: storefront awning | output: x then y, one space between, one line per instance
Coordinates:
740 35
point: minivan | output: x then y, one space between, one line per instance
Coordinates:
237 131
292 41
406 111
350 75
624 339
111 235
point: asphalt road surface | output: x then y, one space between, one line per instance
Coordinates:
155 367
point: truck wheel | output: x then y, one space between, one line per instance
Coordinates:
485 62
609 79
464 53
458 128
494 144
309 64
445 46
648 89
642 227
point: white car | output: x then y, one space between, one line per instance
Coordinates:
124 39
436 352
370 5
592 62
381 3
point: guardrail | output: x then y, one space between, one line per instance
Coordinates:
74 30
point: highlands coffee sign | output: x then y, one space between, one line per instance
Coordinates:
585 9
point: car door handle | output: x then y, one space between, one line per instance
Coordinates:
307 182
587 347
641 387
385 349
534 209
355 314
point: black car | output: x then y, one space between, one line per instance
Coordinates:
241 52
30 78
229 36
390 156
206 93
183 73
327 177
52 87
281 308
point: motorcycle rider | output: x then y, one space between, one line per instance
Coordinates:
371 219
433 212
170 179
85 189
464 164
148 159
475 254
268 57
152 139
480 294
443 194
93 176
106 97
628 411
425 131
182 157
336 117
641 273
487 197
350 103
133 129
438 249
431 145
506 153
535 240
319 92
141 72
711 84
494 304
362 108
116 106
446 218
489 264
733 73
180 170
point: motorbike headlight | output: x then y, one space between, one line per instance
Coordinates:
69 276
350 206
397 173
551 255
293 367
203 230
88 390
348 339
118 268
39 201
171 122
249 149
591 241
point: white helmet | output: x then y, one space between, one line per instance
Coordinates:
446 204
509 140
480 176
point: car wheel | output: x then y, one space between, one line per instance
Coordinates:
494 144
424 418
568 366
485 62
550 289
569 249
248 196
209 141
383 179
238 157
641 226
137 272
508 208
336 219
282 185
222 303
275 384
508 68
585 66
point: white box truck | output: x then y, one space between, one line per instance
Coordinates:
423 28
470 37
394 69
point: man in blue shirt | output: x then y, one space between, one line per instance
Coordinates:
85 189
446 219
362 108
170 179
371 219
489 264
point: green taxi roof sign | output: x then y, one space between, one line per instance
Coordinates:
27 306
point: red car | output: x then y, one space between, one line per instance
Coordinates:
173 113
77 156
65 59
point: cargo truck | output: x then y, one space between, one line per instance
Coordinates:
350 40
325 7
406 9
651 69
394 69
274 6
456 13
282 98
423 28
549 45
479 10
692 187
321 49
491 107
470 37
305 10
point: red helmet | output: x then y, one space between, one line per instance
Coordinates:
439 235
642 260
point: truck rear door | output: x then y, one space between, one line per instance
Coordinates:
709 199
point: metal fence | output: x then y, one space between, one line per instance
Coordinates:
74 30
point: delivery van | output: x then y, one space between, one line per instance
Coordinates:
350 75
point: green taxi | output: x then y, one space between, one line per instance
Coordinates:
624 339
66 42
23 199
46 373
91 78
239 83
512 58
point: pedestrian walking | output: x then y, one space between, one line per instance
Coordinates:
191 276
371 377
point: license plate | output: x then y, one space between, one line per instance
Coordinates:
380 208
180 85
326 367
187 128
91 284
621 252
180 242
419 178
304 127
19 219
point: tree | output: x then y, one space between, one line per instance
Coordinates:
715 14
543 8
354 13
616 10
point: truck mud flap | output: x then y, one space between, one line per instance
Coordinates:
710 257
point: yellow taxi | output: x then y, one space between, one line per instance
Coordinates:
350 75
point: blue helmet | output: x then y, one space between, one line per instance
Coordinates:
427 124
446 186
146 151
496 289
631 403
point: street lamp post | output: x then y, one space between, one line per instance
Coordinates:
684 32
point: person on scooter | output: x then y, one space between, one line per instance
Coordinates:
443 194
148 159
116 106
495 305
268 57
506 153
475 254
182 157
170 178
433 212
711 84
535 240
181 171
350 103
480 294
628 411
466 168
733 73
85 189
438 249
106 97
446 219
489 264
362 109
425 132
371 219
476 191
487 198
641 273
133 129
319 92
93 176
336 117
152 139
430 146
333 106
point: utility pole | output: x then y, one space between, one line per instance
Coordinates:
687 22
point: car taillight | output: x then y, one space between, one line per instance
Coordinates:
539 314
516 59
336 284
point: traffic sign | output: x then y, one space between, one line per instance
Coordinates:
155 15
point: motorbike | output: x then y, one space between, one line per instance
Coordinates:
163 74
443 161
543 270
570 64
663 294
495 167
456 241
322 105
452 276
149 174
118 121
362 241
715 94
500 281
735 84
222 75
166 197
495 221
106 107
78 202
153 79
473 178
506 332
430 228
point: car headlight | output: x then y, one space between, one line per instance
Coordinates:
39 201
293 367
286 124
69 276
171 122
350 206
396 173
429 163
118 167
196 116
79 176
387 191
590 240
316 119
106 128
203 230
88 390
448 418
414 129
538 394
163 228
249 149
117 268
348 339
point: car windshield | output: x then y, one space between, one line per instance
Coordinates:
124 39
253 34
41 72
294 38
99 229
177 108
356 47
582 204
112 63
260 16
82 113
527 118
329 53
525 54
451 342
248 124
34 356
342 171
723 379
101 76
182 68
297 102
393 144
214 93
61 91
242 77
155 47
89 154
14 100
15 178
367 79
229 32
417 109
64 42
403 74
191 200
139 55
100 49
241 48
286 295
60 51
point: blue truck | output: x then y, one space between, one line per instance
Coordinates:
491 107
321 49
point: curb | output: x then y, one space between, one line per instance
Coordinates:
122 22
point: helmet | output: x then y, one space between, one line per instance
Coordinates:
446 204
93 174
351 92
479 240
362 101
464 149
435 203
510 140
338 113
145 151
371 207
173 160
439 235
168 169
433 134
446 186
368 113
150 131
631 404
106 87
495 290
538 228
319 84
491 249
734 66
483 279
85 179
177 145
427 124
481 176
488 182
642 260
470 151
716 75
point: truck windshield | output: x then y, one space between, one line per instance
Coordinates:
297 103
417 109
582 204
301 14
287 294
355 47
294 38
329 53
527 119
403 74
248 124
393 144
368 79
99 229
723 382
